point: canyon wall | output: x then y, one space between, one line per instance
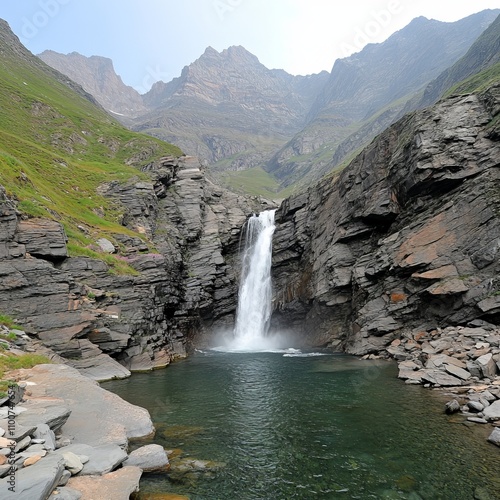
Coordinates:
406 237
106 324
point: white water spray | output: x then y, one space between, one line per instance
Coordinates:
255 294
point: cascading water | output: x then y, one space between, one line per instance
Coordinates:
255 294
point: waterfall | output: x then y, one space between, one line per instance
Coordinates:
255 293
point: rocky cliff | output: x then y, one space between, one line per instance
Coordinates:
184 284
97 76
406 237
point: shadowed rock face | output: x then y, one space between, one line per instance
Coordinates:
406 236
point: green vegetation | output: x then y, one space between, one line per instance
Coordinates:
10 362
255 182
57 148
10 323
476 83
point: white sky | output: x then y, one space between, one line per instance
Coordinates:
149 40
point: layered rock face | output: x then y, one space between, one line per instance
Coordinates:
185 283
405 237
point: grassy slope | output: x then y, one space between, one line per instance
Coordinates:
56 148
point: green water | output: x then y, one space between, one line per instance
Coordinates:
289 427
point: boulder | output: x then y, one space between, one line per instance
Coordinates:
492 412
457 372
72 462
99 418
494 437
438 377
452 406
118 485
487 365
43 431
105 245
36 481
102 459
150 458
475 406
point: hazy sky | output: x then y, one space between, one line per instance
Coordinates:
150 40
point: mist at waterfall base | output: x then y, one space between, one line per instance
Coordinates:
251 332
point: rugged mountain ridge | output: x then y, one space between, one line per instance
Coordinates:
97 76
405 239
235 114
485 52
368 91
229 105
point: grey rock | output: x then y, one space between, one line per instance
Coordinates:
52 414
42 238
494 437
149 458
72 462
45 433
438 377
36 481
452 406
64 478
492 412
457 372
118 419
477 420
487 365
102 459
474 369
475 406
105 245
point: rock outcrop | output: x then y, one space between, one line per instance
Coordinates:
107 324
406 237
79 455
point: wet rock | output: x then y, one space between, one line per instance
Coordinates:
452 406
150 458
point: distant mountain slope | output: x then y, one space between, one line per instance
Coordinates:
97 76
228 105
369 90
57 146
485 52
236 114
